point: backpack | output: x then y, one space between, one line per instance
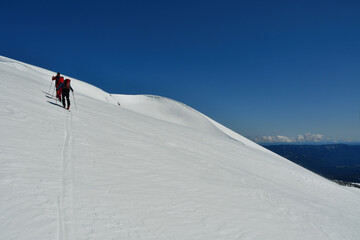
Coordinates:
67 84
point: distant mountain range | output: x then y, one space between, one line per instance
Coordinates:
333 161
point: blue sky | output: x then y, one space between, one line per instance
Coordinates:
262 68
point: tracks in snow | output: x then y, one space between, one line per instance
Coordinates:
66 215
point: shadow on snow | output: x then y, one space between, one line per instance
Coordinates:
55 104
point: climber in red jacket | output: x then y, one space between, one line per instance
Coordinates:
58 80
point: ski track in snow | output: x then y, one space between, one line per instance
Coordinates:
66 216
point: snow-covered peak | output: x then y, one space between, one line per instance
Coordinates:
168 110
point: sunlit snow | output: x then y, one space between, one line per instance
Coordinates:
148 167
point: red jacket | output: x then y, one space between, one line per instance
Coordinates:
58 80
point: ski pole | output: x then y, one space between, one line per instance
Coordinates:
50 87
74 99
54 90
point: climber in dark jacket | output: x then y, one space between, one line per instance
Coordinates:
65 86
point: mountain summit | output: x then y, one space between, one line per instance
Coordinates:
148 167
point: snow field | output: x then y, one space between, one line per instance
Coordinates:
151 168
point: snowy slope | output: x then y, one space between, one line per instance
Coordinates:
151 168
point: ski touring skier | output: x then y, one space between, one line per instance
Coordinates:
65 88
58 80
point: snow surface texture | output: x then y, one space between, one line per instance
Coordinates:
151 168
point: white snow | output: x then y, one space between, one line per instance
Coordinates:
151 168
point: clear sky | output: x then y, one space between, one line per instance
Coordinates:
278 69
